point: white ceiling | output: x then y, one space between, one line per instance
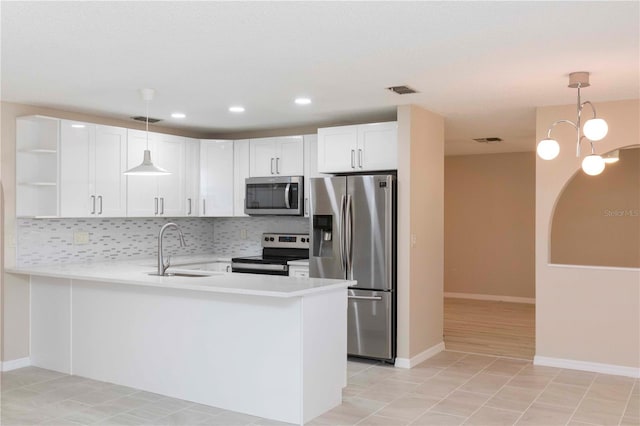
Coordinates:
484 66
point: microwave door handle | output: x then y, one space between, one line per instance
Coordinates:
287 196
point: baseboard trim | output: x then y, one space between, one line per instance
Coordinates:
512 299
596 367
422 356
14 364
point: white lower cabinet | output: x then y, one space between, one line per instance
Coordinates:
92 163
149 196
299 271
216 177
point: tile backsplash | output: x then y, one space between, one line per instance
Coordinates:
47 241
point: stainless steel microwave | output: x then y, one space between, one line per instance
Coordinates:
278 195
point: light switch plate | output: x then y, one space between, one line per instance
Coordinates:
80 237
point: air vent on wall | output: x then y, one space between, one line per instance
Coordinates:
488 140
144 119
401 90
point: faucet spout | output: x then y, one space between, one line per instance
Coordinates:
162 265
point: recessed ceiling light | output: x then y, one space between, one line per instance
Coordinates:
236 109
178 115
78 126
303 101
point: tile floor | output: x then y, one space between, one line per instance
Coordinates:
451 388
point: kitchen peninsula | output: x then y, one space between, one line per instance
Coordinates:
269 346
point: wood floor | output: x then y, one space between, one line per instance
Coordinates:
487 327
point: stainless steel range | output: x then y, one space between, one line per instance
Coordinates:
277 250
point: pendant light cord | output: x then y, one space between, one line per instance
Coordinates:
147 122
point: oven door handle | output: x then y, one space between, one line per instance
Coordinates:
287 196
258 267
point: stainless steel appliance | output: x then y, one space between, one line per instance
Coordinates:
277 250
353 236
278 195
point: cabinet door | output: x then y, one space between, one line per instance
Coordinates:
216 177
290 156
240 173
110 159
171 188
76 183
192 177
262 156
337 148
142 191
310 168
378 146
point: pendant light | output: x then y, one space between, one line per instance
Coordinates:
593 130
147 168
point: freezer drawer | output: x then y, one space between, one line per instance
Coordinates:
370 324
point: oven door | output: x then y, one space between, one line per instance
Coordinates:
259 268
280 195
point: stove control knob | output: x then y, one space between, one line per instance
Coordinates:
270 238
266 238
302 239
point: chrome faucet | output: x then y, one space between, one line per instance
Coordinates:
162 266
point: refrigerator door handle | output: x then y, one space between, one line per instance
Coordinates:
287 191
349 232
365 297
342 234
388 233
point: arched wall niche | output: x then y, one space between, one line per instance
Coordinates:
596 220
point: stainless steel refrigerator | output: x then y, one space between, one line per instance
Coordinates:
353 236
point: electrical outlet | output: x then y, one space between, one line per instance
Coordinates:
243 234
80 237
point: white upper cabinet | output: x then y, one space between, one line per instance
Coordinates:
358 148
216 177
192 177
92 162
240 174
310 168
149 196
282 156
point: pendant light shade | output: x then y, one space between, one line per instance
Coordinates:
147 168
593 164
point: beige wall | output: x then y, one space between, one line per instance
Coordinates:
489 224
597 219
420 230
15 300
587 314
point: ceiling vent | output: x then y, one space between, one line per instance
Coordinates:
144 119
401 90
488 140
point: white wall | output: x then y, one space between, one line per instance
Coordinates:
589 314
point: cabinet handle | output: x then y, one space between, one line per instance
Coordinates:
278 165
360 158
204 207
228 267
161 205
93 204
100 204
272 165
155 200
353 159
189 201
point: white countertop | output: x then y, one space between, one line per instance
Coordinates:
300 262
136 272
